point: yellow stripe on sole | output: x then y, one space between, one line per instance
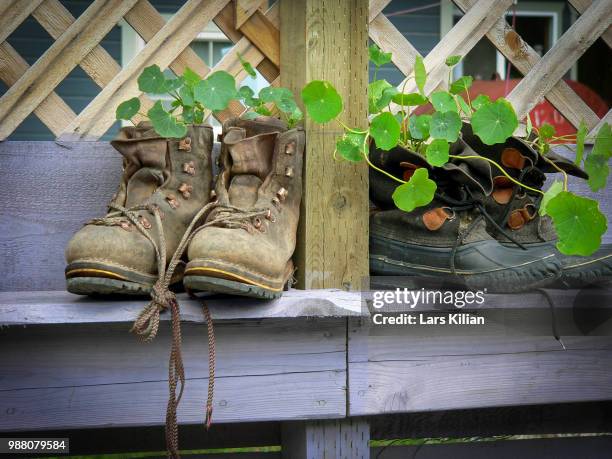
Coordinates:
96 271
236 276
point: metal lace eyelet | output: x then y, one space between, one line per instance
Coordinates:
172 201
282 194
289 171
270 216
531 210
257 222
189 168
185 190
185 144
451 213
276 202
213 195
125 225
290 148
146 224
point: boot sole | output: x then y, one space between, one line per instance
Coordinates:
105 286
219 285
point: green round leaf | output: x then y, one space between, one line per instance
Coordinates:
385 130
495 122
165 124
322 101
578 222
126 110
419 191
451 61
377 56
410 100
190 77
443 102
152 80
546 131
173 83
465 108
352 146
419 126
445 126
437 152
216 91
461 85
480 101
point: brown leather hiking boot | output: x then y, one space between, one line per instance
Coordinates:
515 209
245 245
164 184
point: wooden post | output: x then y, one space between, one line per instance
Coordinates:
327 40
332 439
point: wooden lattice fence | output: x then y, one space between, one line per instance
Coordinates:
254 31
542 75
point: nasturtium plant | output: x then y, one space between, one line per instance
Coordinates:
578 222
165 124
445 125
394 123
128 109
495 122
216 91
418 191
322 101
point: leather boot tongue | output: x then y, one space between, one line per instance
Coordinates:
145 162
251 163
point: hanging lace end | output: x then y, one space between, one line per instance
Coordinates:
208 419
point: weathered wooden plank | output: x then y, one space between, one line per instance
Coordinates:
316 395
479 381
244 9
524 57
376 8
463 37
13 13
559 59
98 64
581 6
336 439
541 448
31 308
94 354
52 111
99 115
486 422
391 40
58 61
333 236
262 33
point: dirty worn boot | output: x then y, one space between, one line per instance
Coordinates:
516 209
446 243
245 245
165 183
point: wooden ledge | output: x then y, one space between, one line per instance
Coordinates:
58 307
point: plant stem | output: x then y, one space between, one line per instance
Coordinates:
382 171
565 179
353 131
501 169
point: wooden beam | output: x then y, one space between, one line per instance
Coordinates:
52 111
58 61
13 13
581 6
162 49
524 58
328 41
391 40
559 59
334 439
463 37
244 9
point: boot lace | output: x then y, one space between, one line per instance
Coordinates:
146 324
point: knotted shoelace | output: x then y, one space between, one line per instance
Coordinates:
146 324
